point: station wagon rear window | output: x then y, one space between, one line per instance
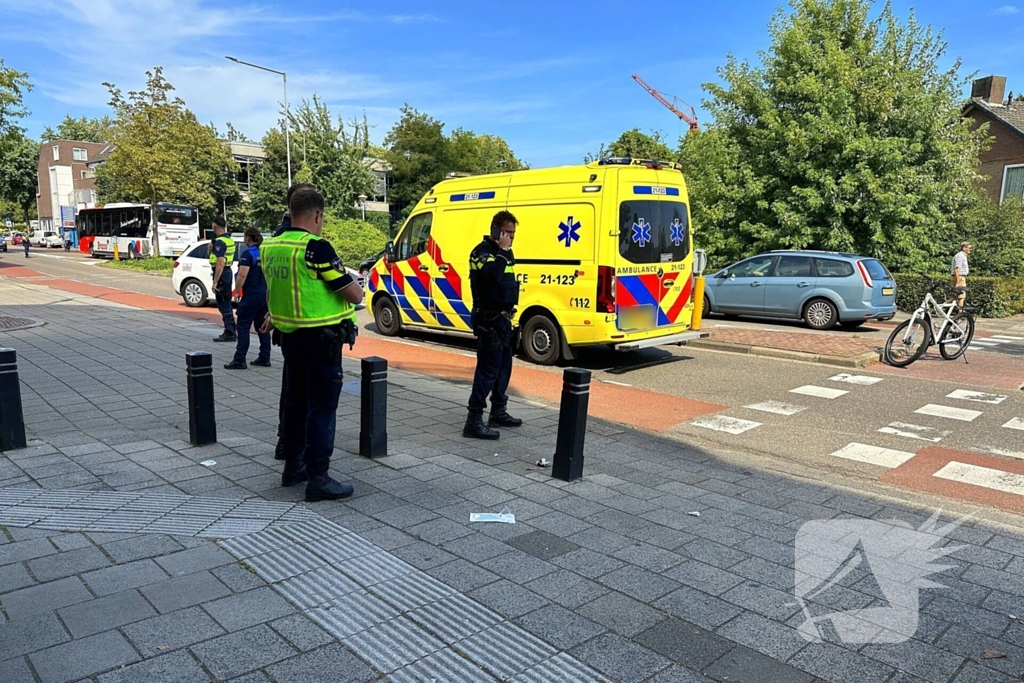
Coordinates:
875 269
653 232
831 268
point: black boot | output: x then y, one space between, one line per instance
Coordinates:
293 475
226 337
235 365
322 487
501 418
476 429
279 451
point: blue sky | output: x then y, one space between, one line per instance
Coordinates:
553 78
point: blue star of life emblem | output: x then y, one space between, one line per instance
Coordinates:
642 233
569 231
677 232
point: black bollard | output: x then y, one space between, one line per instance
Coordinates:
373 414
202 418
572 425
12 418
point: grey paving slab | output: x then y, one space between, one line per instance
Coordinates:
124 576
684 643
185 591
764 635
621 613
838 665
698 608
542 545
16 671
242 610
26 550
508 599
639 583
677 674
176 667
45 597
302 633
141 547
620 658
744 665
333 661
559 626
172 631
103 614
194 560
239 653
84 657
68 563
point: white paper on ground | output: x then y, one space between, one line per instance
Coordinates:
505 517
208 463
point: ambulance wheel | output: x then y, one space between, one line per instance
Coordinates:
541 340
385 315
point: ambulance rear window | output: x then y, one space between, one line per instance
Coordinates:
653 231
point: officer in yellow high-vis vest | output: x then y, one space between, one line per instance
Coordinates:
222 255
312 303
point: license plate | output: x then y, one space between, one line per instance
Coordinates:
636 318
887 291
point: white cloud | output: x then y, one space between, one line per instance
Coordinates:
1006 10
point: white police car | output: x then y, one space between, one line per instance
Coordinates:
192 277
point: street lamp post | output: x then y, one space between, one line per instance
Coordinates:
287 123
362 203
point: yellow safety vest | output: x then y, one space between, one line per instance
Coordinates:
229 255
296 295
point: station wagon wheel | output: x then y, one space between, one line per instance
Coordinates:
194 293
821 314
385 316
541 340
705 309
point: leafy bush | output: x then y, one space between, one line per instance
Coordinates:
995 297
153 264
354 240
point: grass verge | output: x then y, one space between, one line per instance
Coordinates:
157 264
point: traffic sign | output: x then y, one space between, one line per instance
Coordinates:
67 216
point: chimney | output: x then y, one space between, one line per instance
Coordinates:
990 89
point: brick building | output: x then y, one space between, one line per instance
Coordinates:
1003 163
65 179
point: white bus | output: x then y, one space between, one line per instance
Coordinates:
130 227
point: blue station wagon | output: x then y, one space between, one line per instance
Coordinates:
822 288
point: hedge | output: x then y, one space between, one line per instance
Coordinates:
354 240
995 297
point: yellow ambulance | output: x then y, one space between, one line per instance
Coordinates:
603 251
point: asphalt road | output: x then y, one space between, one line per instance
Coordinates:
75 266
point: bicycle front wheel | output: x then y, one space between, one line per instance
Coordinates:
956 337
907 342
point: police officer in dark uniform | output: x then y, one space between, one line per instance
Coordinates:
222 255
495 296
252 309
312 304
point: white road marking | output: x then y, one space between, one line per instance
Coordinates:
820 392
777 407
980 397
724 423
1006 337
730 326
961 414
914 431
996 480
883 457
862 380
978 342
618 384
1015 423
1005 453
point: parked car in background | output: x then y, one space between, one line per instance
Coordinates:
367 265
3 243
39 237
821 288
16 238
192 277
53 240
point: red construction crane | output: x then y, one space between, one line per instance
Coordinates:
672 106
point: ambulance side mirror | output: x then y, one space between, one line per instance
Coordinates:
389 252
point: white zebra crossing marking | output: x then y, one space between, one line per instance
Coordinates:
981 342
997 480
914 431
873 455
1006 337
1015 423
724 423
980 397
819 392
961 414
862 380
777 407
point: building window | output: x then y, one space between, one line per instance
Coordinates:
1013 182
79 154
56 153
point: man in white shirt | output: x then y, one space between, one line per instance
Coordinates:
959 270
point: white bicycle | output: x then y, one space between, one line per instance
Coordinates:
951 324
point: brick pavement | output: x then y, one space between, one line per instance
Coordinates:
610 574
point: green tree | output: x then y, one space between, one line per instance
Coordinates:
13 86
269 183
82 129
847 136
417 151
19 162
162 153
636 145
996 231
353 239
480 154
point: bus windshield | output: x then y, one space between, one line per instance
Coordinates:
167 214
